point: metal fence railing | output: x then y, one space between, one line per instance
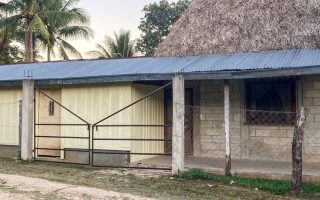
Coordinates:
56 140
133 146
9 123
261 140
258 117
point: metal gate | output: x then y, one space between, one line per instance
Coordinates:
127 158
52 138
140 155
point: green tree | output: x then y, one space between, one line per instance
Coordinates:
121 46
156 23
64 20
9 53
25 14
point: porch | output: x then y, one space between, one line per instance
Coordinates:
258 116
241 167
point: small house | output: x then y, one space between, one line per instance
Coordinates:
262 57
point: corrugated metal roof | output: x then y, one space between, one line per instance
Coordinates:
163 65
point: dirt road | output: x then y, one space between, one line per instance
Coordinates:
14 187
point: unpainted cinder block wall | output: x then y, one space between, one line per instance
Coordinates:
311 99
255 142
212 119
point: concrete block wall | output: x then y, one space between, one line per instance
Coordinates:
255 142
212 119
311 99
270 142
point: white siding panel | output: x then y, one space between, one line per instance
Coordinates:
93 104
147 112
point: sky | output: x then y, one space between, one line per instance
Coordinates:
108 16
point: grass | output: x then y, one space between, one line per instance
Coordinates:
278 187
194 184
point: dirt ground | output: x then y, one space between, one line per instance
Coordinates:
11 187
58 181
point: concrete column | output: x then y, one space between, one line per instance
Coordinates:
196 120
27 120
178 124
227 127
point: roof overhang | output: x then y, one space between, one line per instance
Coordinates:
248 74
248 65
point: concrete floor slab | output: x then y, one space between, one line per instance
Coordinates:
249 168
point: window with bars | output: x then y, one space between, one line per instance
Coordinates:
271 101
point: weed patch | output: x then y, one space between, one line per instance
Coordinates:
194 184
278 187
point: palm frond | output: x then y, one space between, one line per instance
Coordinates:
96 53
64 17
76 31
12 7
62 52
10 22
37 24
70 3
121 45
32 5
71 49
52 21
81 14
103 50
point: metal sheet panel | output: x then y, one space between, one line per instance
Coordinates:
64 70
148 112
93 104
43 117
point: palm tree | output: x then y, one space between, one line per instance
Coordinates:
25 14
121 46
64 20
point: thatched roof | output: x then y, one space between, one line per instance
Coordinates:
225 26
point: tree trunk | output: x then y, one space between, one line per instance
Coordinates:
297 143
49 54
28 45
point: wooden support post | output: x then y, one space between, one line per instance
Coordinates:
178 125
227 127
27 120
297 143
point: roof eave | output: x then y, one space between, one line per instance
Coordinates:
214 75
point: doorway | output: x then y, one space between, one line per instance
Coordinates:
188 143
47 112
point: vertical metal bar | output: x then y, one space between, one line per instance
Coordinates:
92 146
89 144
165 134
34 124
20 129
